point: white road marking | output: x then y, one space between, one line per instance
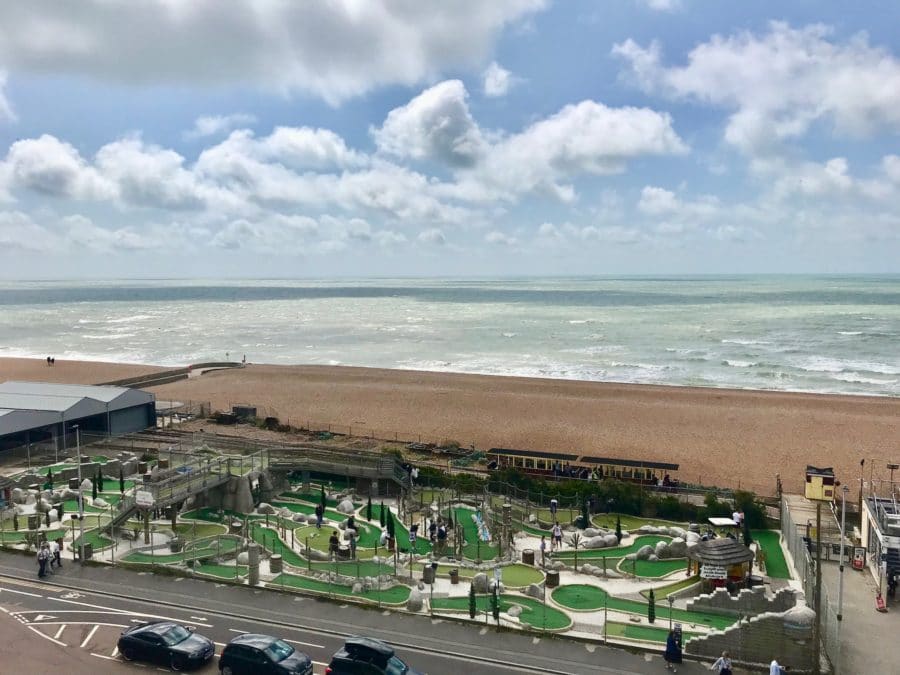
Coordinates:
59 632
235 630
78 623
47 637
40 617
305 644
89 636
199 618
115 652
103 656
125 611
9 590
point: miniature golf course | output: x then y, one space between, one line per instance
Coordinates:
776 565
586 598
534 613
631 631
394 595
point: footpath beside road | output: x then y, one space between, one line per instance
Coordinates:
868 638
532 653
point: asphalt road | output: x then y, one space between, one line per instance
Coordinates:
86 608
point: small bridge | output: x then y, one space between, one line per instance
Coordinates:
339 463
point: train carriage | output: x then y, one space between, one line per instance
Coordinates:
545 463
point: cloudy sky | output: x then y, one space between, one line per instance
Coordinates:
259 138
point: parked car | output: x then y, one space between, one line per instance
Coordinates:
367 656
254 654
167 643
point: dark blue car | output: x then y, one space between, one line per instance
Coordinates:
254 654
167 643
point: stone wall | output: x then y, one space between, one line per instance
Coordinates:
749 602
786 636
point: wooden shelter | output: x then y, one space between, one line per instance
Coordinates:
721 561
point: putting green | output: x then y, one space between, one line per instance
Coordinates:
665 591
512 576
618 552
592 597
394 595
221 571
776 565
653 568
534 613
644 633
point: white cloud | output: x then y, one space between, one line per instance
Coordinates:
213 125
500 238
587 137
55 168
435 125
18 232
891 166
656 201
81 231
779 84
432 236
662 5
334 50
147 175
496 80
7 113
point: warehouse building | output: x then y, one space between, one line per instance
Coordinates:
48 414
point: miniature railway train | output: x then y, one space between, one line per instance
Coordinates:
581 466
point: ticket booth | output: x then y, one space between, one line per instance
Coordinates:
820 484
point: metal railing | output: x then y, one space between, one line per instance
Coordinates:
805 564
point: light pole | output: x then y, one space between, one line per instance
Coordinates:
862 464
671 601
80 498
840 612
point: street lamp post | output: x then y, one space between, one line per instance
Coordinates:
671 601
80 498
840 612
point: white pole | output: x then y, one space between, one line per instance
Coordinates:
840 612
80 498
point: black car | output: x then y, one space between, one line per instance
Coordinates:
166 642
367 656
253 654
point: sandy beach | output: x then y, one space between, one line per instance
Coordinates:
718 436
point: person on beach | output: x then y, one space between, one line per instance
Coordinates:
557 535
722 664
672 654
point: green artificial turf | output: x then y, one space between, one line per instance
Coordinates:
512 576
394 595
196 550
199 530
474 548
665 591
592 598
643 632
534 613
568 552
608 520
776 565
653 568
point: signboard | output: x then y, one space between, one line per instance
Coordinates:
143 498
891 541
713 572
859 557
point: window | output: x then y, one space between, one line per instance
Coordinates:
279 651
395 667
176 634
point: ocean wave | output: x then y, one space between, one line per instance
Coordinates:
126 319
738 341
117 336
579 321
509 335
851 376
734 363
824 364
850 332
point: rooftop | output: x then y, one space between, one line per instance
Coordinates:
722 551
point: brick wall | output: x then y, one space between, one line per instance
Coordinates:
749 602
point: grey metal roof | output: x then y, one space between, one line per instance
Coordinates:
98 393
38 402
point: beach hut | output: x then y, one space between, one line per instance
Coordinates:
721 561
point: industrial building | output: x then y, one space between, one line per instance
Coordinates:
40 413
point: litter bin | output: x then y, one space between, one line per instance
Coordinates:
428 574
88 551
454 576
276 564
73 483
528 556
176 544
552 578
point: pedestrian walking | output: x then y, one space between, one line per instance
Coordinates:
432 531
554 505
334 544
722 664
672 654
58 551
319 514
543 548
557 535
43 557
54 554
776 668
353 545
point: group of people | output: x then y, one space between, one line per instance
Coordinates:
49 555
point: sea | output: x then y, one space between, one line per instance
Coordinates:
827 334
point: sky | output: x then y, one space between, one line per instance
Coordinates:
356 138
